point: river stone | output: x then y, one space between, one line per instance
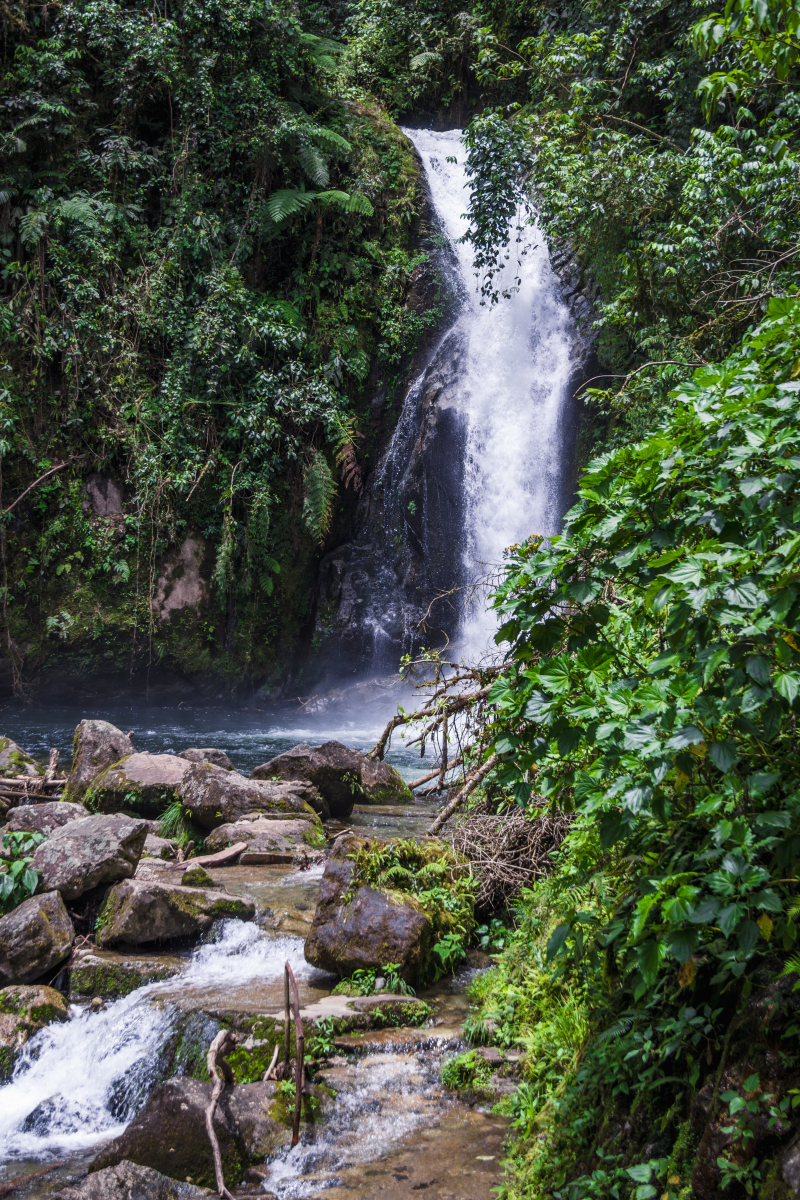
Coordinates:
146 782
14 761
333 769
284 839
44 818
382 784
149 910
35 937
23 1012
130 1181
158 847
216 797
207 754
111 975
370 930
84 854
95 746
170 1131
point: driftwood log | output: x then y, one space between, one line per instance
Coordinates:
22 1180
222 1044
220 859
299 1064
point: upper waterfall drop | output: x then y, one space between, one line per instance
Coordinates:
513 388
480 456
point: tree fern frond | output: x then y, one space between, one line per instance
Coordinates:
286 202
320 488
329 137
81 209
422 60
617 1030
353 202
314 165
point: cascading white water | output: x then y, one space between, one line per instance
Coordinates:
513 388
80 1082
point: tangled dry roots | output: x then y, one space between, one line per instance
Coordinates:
507 851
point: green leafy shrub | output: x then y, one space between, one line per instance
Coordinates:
18 879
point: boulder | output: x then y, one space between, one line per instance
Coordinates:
44 818
149 910
23 1012
109 974
80 856
207 754
273 841
366 930
34 938
158 847
196 876
146 782
14 761
215 797
95 746
169 1133
130 1181
343 777
382 784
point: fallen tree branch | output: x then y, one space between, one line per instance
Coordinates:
41 479
211 860
467 790
456 762
270 1071
299 1065
222 1044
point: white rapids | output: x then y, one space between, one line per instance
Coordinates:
79 1083
514 388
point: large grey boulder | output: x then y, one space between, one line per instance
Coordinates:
216 797
84 854
151 910
14 761
130 1181
35 937
273 841
146 782
170 1131
344 777
207 754
367 930
23 1012
95 746
44 818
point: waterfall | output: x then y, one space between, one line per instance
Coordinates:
513 388
480 457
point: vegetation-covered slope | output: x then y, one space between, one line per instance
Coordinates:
206 255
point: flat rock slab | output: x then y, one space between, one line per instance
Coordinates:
95 746
44 818
263 836
109 974
84 854
130 1181
35 937
351 1008
146 782
139 911
216 797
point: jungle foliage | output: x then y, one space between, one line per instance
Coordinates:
205 251
651 689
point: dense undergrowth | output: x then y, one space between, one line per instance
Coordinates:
207 252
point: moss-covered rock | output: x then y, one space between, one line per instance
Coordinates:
84 854
95 746
14 761
139 911
44 818
217 797
35 937
147 783
23 1012
107 974
274 841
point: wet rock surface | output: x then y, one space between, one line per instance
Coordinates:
169 1134
34 938
367 929
44 818
271 841
96 745
148 782
333 769
139 911
217 797
110 975
15 761
80 856
23 1012
130 1181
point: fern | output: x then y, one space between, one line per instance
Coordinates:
314 165
286 202
320 488
617 1030
352 202
81 209
422 60
330 138
792 968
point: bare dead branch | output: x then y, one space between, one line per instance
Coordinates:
222 1044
